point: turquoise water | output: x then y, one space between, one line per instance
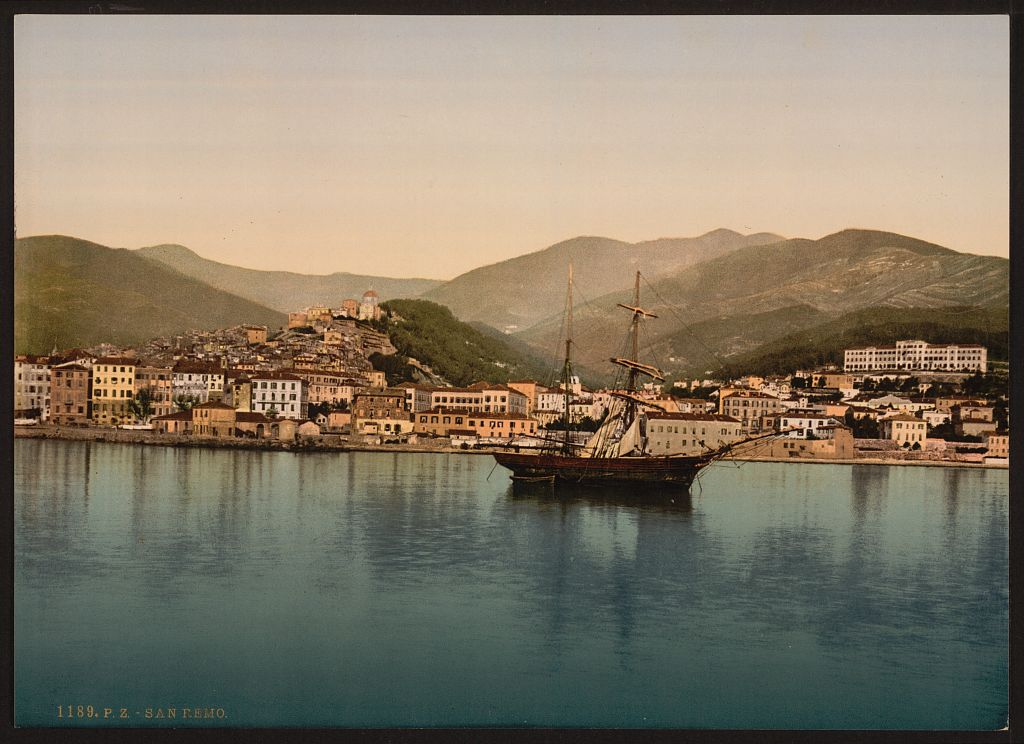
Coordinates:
367 589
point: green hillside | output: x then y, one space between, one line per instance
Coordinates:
283 290
877 326
74 293
429 333
749 296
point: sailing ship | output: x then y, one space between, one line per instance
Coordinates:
617 453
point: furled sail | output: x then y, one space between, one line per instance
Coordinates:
605 440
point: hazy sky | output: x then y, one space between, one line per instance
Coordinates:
428 146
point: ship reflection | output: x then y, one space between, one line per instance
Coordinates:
647 497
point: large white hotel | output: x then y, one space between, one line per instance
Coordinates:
918 355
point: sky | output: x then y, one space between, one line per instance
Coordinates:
428 146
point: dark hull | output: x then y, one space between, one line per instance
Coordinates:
589 470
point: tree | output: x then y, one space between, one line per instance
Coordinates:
141 404
272 412
185 402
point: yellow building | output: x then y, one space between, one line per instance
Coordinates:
213 419
441 422
113 386
998 444
905 429
255 334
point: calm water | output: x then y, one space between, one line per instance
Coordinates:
414 590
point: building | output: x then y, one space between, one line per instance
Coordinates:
369 308
239 391
336 421
251 425
946 404
417 397
329 387
693 405
213 419
483 397
972 427
917 355
492 426
70 395
749 407
835 380
113 388
998 444
159 381
283 393
833 442
350 308
804 424
380 412
31 387
528 388
690 433
255 334
173 423
965 411
197 380
905 429
297 320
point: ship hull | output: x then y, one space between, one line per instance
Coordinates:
678 471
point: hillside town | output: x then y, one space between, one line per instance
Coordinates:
315 382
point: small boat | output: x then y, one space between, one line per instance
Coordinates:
546 478
617 453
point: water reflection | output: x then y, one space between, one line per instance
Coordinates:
659 499
405 583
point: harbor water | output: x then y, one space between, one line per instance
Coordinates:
248 588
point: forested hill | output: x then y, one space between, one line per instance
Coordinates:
461 354
824 343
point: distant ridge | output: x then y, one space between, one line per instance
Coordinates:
282 290
738 301
77 294
524 290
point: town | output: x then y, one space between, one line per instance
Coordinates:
315 382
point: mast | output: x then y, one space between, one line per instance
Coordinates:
635 358
567 370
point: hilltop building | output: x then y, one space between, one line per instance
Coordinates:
369 308
917 355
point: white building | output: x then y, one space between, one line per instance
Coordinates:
202 381
799 424
690 433
481 397
917 355
369 308
31 386
283 392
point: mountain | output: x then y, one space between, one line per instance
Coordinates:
74 293
725 305
826 342
282 290
525 290
456 351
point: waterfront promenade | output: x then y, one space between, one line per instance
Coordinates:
343 443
